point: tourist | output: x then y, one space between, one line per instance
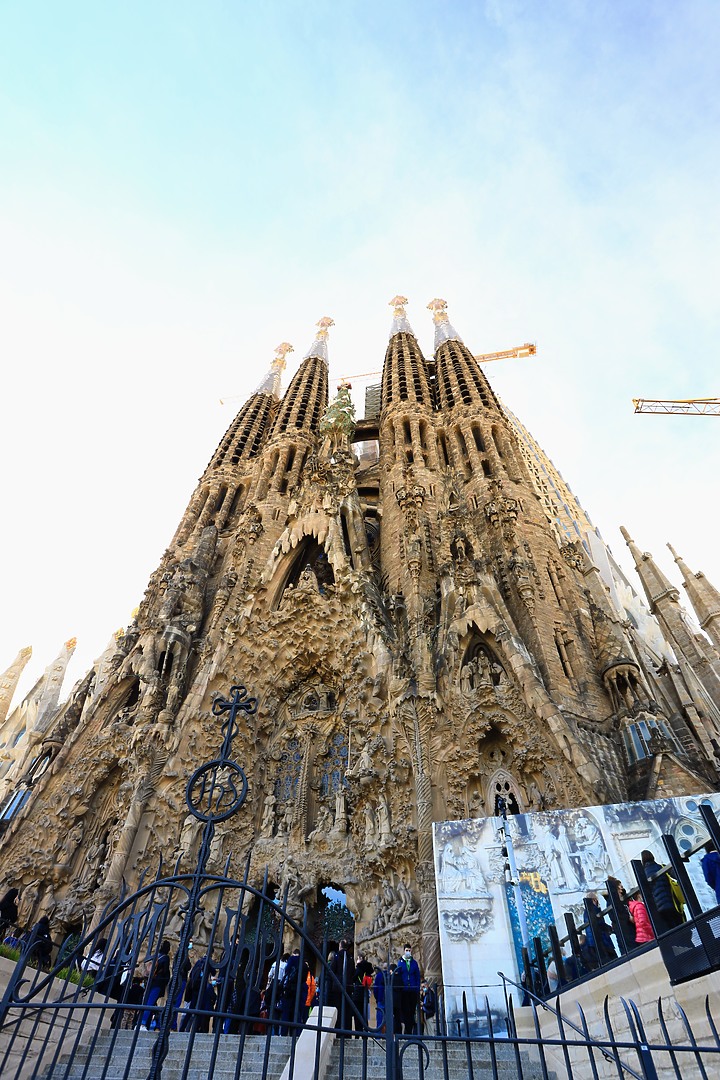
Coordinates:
625 930
94 962
641 920
293 997
409 980
340 988
184 963
710 864
8 911
598 931
428 1004
379 995
158 977
272 995
668 914
41 941
363 983
200 998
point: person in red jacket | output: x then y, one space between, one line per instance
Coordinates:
643 927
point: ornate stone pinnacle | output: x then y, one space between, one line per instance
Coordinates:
323 326
398 305
439 310
280 361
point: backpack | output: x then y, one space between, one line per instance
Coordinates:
194 979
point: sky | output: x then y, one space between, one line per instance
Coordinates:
183 186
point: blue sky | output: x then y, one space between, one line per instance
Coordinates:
182 186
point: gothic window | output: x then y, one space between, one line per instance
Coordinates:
290 767
334 765
503 786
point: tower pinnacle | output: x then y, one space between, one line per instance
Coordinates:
271 383
400 324
444 329
704 598
319 345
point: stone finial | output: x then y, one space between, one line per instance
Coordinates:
444 330
400 324
271 384
319 345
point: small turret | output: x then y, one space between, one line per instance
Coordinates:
405 372
459 379
306 397
664 599
704 598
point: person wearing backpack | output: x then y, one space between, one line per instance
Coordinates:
291 996
197 1000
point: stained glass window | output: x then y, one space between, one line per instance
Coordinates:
288 777
333 766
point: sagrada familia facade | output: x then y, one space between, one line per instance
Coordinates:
424 631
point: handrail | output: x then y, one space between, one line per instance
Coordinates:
587 1037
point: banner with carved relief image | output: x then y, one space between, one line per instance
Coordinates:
560 855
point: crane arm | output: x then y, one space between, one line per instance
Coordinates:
689 406
528 349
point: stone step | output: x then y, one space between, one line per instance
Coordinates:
457 1063
109 1059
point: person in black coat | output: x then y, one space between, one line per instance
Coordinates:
343 966
670 917
41 941
8 911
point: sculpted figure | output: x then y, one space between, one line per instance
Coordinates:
405 896
340 825
267 826
383 817
371 834
324 823
188 836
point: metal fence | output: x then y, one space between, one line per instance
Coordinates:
143 1014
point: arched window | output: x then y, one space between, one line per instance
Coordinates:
502 786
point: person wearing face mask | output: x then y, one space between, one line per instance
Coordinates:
409 973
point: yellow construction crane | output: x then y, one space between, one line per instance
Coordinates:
707 406
528 349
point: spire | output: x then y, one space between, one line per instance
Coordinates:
271 382
319 345
444 329
306 397
656 585
400 324
10 679
405 375
704 598
458 378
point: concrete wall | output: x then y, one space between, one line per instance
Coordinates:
644 980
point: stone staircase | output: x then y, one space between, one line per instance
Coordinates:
457 1063
110 1058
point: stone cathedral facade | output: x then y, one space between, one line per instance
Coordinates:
421 640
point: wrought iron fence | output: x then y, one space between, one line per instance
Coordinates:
143 1014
